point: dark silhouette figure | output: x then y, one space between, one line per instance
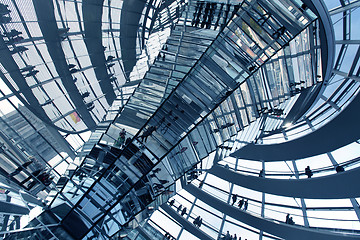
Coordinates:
241 203
34 173
196 221
110 58
308 172
71 66
163 181
245 205
12 33
234 198
85 94
165 128
179 208
200 222
74 70
183 149
287 218
339 169
183 212
171 203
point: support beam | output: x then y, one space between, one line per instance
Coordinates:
353 4
92 15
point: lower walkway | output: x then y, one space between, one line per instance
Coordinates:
276 228
339 185
186 224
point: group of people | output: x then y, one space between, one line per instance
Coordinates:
230 237
168 236
179 209
309 173
170 118
205 17
38 175
183 211
289 220
242 204
44 177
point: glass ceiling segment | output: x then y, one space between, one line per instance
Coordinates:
68 14
343 84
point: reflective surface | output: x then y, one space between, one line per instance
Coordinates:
218 77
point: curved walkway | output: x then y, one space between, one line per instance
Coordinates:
344 128
339 185
186 224
282 230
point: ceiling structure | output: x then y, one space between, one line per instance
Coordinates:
111 108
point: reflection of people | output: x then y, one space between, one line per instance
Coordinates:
162 181
165 128
183 149
147 133
43 177
121 139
